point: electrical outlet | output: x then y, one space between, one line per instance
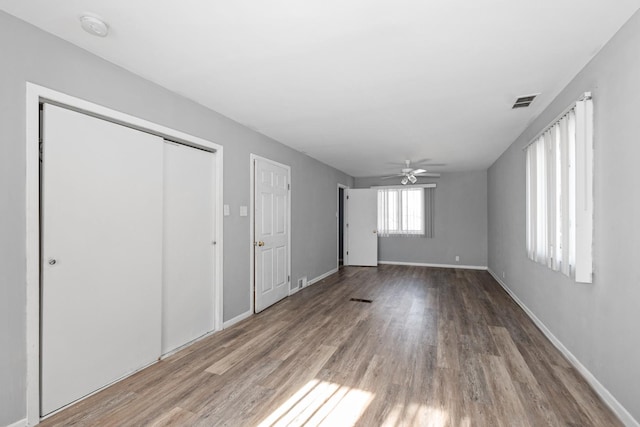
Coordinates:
457 258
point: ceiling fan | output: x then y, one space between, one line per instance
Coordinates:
409 174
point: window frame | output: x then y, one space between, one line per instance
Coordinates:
403 226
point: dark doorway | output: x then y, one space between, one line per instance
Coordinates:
340 227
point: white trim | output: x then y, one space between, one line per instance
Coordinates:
252 171
34 95
294 291
425 264
380 187
32 148
20 423
229 323
624 415
252 229
183 346
320 277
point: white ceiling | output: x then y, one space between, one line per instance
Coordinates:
354 83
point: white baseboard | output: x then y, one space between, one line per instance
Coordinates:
424 264
312 281
322 276
21 423
237 319
624 415
183 346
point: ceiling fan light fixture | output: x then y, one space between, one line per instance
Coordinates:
94 25
410 175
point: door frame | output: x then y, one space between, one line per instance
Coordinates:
345 228
252 228
35 94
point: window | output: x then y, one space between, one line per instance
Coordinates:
559 194
405 212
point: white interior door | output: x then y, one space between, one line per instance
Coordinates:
362 220
101 253
271 233
188 245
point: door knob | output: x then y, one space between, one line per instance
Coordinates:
260 243
52 261
375 231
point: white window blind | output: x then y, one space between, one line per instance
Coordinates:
558 191
405 212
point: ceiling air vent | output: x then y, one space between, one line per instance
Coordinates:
524 101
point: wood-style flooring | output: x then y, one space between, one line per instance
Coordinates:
435 347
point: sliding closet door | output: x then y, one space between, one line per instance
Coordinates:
188 248
102 254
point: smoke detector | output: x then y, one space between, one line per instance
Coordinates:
94 25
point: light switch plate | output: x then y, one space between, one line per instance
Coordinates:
243 211
226 210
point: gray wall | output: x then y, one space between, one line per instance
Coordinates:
29 54
597 322
460 223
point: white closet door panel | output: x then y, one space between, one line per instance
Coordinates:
102 254
271 252
188 264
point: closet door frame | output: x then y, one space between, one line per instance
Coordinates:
36 94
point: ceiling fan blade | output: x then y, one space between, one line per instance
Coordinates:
421 161
430 164
429 175
418 171
391 176
404 162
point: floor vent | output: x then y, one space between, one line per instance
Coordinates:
302 282
362 300
524 101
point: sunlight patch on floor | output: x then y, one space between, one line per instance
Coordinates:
321 403
416 414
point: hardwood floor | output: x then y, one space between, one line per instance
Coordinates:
435 347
